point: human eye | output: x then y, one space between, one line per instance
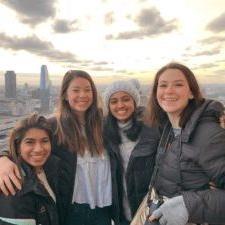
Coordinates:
29 141
75 90
113 101
126 98
45 140
88 90
162 85
179 84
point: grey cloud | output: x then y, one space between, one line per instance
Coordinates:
32 11
206 66
100 68
218 24
64 26
101 63
212 40
36 46
109 18
150 23
213 51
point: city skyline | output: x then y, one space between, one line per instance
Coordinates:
117 39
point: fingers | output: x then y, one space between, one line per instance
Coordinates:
14 178
155 215
3 188
7 187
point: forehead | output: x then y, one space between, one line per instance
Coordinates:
171 75
119 94
79 82
35 132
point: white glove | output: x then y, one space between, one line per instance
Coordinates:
172 212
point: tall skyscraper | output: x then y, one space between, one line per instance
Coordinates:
10 84
44 89
44 80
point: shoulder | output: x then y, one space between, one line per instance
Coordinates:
151 132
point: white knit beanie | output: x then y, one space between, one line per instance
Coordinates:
125 86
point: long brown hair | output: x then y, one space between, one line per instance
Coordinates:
154 113
68 127
18 133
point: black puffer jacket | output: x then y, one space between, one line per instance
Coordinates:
139 169
33 201
192 160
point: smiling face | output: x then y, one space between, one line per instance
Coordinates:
79 95
35 147
173 92
122 106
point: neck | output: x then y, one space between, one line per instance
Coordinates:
81 117
174 120
38 169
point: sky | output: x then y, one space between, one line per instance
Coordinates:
113 39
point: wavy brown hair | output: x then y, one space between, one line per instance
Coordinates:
69 131
18 133
154 115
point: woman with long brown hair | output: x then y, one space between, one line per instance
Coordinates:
191 152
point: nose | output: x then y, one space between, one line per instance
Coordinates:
38 147
83 94
169 89
120 104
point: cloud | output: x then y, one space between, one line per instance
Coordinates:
109 18
64 26
149 22
217 25
212 40
32 12
209 52
37 47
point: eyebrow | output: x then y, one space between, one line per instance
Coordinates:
172 81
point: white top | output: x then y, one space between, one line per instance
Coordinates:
126 148
43 179
93 183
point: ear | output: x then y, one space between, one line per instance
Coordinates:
191 96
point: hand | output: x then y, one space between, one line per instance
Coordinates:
222 121
9 176
172 212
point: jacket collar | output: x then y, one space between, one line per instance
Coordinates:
210 110
31 183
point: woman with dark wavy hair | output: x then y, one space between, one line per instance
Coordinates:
191 152
37 201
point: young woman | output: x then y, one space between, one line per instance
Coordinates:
192 150
30 148
131 146
78 142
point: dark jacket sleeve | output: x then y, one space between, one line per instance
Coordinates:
208 205
17 207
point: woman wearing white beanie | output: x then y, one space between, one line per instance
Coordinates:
132 147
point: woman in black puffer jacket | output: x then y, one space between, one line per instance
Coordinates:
192 150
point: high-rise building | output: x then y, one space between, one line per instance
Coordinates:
44 89
44 80
10 84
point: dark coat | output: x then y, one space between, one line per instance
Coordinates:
68 173
33 201
139 170
192 160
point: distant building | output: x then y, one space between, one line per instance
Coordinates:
10 84
44 89
44 80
